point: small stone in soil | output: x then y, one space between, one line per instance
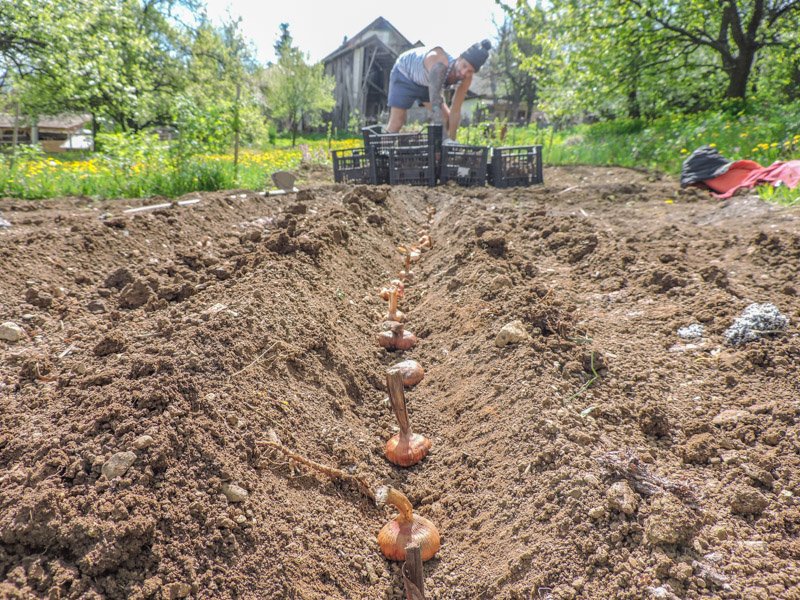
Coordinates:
511 333
748 501
118 464
622 498
11 332
234 493
142 442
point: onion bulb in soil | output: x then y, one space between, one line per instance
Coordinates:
394 283
405 529
411 371
394 314
396 338
411 256
405 448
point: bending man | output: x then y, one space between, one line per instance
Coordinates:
422 74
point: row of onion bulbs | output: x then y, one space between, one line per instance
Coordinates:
405 448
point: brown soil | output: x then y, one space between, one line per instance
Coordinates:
604 457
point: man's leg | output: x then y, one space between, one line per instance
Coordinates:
397 118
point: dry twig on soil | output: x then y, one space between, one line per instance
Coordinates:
363 485
626 464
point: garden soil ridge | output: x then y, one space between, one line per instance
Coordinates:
184 335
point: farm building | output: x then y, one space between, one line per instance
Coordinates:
56 133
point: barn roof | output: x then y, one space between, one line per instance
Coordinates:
66 121
364 35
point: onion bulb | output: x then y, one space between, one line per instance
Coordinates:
411 255
411 371
396 338
405 529
394 314
394 283
405 448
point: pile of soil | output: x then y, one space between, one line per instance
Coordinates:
600 455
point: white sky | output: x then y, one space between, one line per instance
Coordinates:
319 26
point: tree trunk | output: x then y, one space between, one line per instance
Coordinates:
95 129
739 70
792 89
634 110
236 128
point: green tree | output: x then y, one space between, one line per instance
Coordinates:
642 57
732 30
520 86
208 112
284 43
296 92
122 60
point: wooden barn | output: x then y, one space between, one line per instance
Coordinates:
361 67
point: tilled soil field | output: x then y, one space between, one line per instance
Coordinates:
597 455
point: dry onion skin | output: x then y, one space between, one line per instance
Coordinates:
396 338
411 371
405 529
405 448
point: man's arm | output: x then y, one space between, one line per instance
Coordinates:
435 85
436 64
455 107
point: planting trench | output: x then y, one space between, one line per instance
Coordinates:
602 457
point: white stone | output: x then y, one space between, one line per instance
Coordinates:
511 333
11 332
732 417
143 441
234 493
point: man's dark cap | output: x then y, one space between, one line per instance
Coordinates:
477 54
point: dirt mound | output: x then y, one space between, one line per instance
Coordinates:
600 455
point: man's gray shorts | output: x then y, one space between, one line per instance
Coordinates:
403 92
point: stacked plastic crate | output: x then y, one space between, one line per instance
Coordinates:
420 158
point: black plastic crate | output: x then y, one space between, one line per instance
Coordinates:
514 166
465 165
375 138
378 144
351 166
412 165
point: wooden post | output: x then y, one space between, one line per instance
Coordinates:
237 127
15 134
413 575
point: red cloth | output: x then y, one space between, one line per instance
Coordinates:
786 172
731 179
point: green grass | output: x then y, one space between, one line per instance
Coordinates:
153 169
763 134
